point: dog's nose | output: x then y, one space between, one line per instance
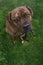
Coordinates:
25 27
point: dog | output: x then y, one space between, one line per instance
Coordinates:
18 23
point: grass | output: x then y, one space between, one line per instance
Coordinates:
29 53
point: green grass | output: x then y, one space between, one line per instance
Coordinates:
29 53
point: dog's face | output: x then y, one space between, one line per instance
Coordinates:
18 22
21 17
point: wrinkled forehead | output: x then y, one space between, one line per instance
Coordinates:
20 11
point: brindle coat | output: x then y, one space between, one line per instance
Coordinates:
16 19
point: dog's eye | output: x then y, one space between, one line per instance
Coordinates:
16 20
26 15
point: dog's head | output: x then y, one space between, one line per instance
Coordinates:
21 18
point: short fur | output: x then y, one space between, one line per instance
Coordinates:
15 20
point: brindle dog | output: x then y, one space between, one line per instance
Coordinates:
18 23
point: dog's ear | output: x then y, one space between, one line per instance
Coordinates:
30 10
9 16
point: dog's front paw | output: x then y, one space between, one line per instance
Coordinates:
14 42
22 42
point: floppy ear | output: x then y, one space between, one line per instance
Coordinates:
9 16
30 10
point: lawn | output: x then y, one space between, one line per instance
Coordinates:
29 53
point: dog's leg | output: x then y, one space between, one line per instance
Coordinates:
22 40
25 37
14 40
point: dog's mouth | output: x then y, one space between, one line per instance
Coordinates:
27 28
